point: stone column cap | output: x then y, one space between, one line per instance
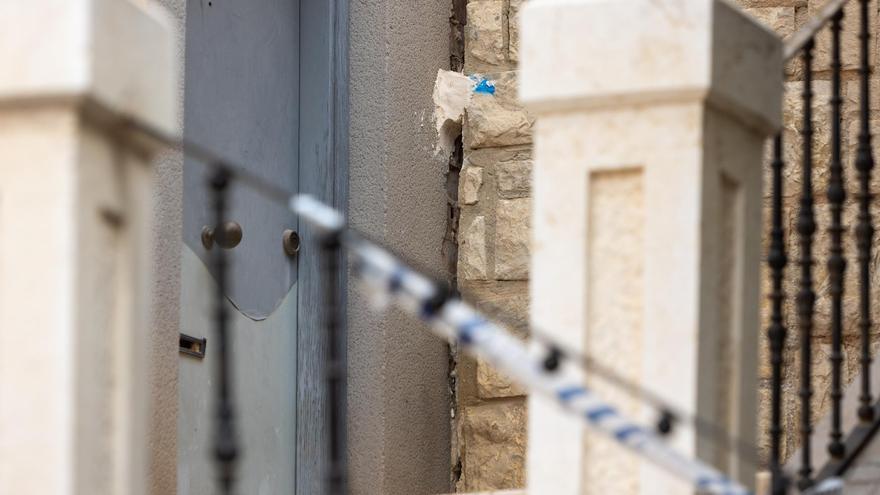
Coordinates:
118 55
578 54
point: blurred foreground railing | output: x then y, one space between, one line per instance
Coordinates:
842 446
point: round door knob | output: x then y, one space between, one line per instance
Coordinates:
290 241
227 236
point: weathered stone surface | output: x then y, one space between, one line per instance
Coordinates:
495 436
512 237
849 42
472 259
513 30
493 125
492 384
507 301
502 492
497 119
497 135
484 36
491 157
793 124
781 20
471 181
514 179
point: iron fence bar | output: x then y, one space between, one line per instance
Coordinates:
857 441
806 227
836 195
337 476
225 437
865 229
776 333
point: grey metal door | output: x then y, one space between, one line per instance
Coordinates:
262 90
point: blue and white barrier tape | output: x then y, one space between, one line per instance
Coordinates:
829 486
458 322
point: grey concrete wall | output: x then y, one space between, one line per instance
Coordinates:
398 393
166 297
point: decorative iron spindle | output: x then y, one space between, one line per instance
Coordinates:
806 297
864 228
225 438
836 262
776 333
337 476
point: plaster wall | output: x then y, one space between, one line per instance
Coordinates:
166 237
398 393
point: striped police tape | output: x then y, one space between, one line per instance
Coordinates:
390 280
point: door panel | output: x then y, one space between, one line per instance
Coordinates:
263 364
242 100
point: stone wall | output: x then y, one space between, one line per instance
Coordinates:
494 200
493 256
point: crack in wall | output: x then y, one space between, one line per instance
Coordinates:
457 22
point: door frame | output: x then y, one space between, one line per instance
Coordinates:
324 173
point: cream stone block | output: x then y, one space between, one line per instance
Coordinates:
676 50
512 231
664 219
75 235
116 53
496 445
849 41
513 29
502 492
646 227
484 36
473 259
501 300
491 384
471 183
36 444
514 179
498 119
75 220
781 20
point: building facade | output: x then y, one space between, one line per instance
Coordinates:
345 95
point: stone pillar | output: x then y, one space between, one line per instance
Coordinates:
646 249
75 222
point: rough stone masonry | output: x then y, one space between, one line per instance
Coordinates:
493 251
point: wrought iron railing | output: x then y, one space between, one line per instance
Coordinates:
842 447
